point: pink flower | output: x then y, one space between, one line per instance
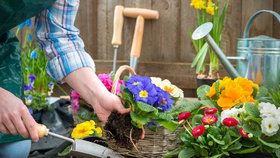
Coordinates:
74 95
198 131
75 105
230 122
211 111
242 133
108 83
209 119
184 115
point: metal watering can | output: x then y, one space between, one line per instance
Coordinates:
258 58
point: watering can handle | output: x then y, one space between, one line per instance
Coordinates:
250 22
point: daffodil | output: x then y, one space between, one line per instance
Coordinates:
198 4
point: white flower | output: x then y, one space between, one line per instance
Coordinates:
269 126
233 112
278 115
166 85
268 110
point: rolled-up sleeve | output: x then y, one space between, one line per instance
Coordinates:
59 39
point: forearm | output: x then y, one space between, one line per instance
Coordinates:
87 84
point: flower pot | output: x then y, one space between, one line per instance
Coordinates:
251 155
204 81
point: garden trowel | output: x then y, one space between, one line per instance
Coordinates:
81 148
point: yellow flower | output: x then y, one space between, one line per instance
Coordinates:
83 130
198 4
233 92
211 7
98 131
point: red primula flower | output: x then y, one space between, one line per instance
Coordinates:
198 131
209 119
211 111
242 133
184 115
230 122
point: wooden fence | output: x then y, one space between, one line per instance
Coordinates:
167 51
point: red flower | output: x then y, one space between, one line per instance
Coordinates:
242 133
210 111
230 122
184 115
198 131
209 119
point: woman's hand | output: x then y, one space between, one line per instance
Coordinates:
87 84
15 117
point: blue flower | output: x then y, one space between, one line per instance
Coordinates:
51 85
34 54
27 88
28 100
152 124
31 78
134 83
30 110
29 37
28 23
164 100
147 92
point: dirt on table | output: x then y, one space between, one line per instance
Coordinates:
120 128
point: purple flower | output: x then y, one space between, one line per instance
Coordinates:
28 99
31 78
51 85
146 93
34 54
164 100
134 83
74 95
75 105
30 110
152 124
27 88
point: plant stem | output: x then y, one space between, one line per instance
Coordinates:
187 130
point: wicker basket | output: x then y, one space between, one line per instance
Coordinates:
155 144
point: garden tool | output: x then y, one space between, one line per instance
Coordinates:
140 15
81 148
117 32
258 57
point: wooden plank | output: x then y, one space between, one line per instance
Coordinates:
102 25
86 21
263 24
276 24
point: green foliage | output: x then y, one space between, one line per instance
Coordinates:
202 92
274 93
34 63
187 153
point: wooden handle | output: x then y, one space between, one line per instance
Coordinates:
118 25
145 13
42 130
137 37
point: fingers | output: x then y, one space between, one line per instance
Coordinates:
9 125
123 110
18 123
30 125
143 133
3 129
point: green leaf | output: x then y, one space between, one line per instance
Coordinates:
187 153
277 152
196 120
184 105
146 107
221 142
201 60
173 153
199 54
252 127
208 103
235 146
246 151
202 92
272 145
164 116
85 114
252 109
169 125
138 120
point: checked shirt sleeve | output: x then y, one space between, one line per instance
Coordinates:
59 39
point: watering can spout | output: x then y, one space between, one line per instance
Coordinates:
203 32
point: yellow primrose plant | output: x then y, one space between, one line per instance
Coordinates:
208 11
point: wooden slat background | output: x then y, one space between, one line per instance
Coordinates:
167 51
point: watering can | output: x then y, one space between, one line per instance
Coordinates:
258 58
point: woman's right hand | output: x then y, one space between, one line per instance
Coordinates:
15 117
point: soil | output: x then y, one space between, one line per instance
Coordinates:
119 127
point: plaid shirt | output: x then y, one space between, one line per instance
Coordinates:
59 39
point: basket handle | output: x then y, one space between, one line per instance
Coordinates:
118 75
250 22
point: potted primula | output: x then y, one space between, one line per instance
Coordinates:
233 118
215 12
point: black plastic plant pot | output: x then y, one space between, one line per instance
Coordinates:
204 81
